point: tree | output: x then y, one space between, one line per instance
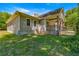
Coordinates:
69 12
3 18
77 22
72 18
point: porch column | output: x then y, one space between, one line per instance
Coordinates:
58 26
44 24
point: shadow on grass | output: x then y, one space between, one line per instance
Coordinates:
39 45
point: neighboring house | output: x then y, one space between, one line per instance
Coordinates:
49 23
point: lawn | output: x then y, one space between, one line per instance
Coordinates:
38 45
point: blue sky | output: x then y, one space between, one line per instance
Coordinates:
31 8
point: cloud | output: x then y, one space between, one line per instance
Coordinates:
30 12
14 9
22 10
45 11
40 11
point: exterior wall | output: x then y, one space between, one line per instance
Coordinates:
23 26
10 28
43 26
61 21
17 24
24 29
38 29
13 27
34 28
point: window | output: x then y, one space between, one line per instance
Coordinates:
28 22
34 23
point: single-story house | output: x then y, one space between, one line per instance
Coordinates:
49 23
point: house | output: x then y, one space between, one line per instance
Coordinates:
48 23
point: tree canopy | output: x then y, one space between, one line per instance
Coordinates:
71 18
3 18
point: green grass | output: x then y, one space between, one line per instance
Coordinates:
39 45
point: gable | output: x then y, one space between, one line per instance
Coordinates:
12 18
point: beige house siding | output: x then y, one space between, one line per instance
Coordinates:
24 29
43 26
14 26
10 28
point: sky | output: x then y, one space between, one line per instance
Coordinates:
31 8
